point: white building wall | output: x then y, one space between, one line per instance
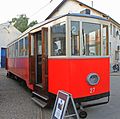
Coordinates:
114 43
8 33
71 6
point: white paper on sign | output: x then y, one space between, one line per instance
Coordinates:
59 108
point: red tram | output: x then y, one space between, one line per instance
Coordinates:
69 53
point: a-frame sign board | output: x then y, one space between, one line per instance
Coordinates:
64 106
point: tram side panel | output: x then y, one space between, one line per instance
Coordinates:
58 75
20 68
72 75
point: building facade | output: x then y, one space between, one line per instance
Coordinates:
8 33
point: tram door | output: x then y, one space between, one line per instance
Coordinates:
42 57
38 58
45 58
32 68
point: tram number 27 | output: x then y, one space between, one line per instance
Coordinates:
92 90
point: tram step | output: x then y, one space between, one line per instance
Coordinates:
39 102
38 85
43 97
38 88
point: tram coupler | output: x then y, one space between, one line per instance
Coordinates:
82 113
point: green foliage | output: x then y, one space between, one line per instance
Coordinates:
32 23
21 23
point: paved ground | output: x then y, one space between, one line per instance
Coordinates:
16 103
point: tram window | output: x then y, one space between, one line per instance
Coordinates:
105 39
12 51
32 45
21 47
8 52
26 46
75 38
46 42
58 40
16 49
39 44
91 33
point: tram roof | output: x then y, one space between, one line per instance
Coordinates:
69 14
87 15
31 29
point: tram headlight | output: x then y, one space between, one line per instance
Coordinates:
93 79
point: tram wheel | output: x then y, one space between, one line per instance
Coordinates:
8 75
83 114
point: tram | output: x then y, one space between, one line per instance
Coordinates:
69 52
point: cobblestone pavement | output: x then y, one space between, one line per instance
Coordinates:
16 103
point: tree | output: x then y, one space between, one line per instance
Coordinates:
21 23
32 23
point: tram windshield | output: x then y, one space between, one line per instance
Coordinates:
85 39
91 34
58 39
75 38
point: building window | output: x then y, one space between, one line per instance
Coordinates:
118 48
114 31
58 39
26 46
21 50
110 48
91 44
110 29
117 55
75 38
119 34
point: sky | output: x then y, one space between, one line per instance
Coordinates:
40 9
